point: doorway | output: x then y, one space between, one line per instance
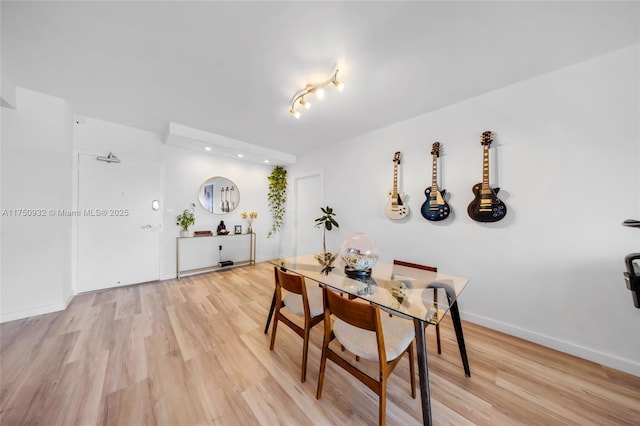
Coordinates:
309 198
119 220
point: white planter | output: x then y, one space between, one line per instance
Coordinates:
185 233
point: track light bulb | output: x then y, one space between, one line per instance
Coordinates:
301 96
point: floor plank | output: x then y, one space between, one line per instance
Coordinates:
193 352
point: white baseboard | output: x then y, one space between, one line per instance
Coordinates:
626 365
35 310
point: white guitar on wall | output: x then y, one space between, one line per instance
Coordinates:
395 208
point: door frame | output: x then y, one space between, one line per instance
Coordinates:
75 202
297 200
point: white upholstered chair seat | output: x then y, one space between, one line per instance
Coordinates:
397 333
293 301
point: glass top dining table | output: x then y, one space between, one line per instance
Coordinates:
401 290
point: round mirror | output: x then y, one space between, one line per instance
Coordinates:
219 195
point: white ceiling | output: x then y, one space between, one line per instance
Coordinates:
231 68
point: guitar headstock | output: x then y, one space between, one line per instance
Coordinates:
435 149
396 158
486 138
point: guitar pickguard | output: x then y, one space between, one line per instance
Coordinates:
395 208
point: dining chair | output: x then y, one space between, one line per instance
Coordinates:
412 271
361 329
301 300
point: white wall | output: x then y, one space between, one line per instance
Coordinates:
36 177
183 172
40 140
565 152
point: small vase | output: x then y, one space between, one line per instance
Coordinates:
185 233
249 229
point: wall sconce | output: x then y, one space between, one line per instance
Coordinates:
301 96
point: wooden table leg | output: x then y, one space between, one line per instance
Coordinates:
271 309
423 371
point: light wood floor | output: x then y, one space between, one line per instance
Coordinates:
193 352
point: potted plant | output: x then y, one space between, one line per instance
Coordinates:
186 219
277 197
328 222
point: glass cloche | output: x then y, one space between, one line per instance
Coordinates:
359 253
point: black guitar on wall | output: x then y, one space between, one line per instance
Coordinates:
435 208
486 206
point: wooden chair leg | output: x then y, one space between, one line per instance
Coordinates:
323 364
412 369
382 412
274 329
305 352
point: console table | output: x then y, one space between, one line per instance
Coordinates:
203 254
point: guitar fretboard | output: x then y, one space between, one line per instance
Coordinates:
485 191
394 194
434 173
433 198
485 169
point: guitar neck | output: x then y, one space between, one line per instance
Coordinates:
394 194
485 170
434 174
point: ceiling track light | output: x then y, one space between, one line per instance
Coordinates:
317 89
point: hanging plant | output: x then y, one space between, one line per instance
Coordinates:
277 197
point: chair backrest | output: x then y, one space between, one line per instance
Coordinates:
290 282
415 265
361 315
414 271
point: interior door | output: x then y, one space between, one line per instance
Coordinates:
308 196
118 222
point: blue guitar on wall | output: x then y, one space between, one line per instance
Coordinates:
435 208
